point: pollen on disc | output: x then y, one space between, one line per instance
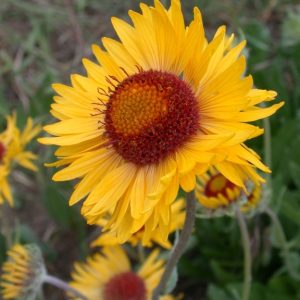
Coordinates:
125 286
217 184
150 115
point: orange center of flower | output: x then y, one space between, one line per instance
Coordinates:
2 151
125 286
150 115
218 184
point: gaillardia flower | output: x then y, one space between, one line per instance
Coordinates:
161 106
109 276
217 195
177 220
13 144
23 273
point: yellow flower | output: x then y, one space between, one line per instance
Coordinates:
13 144
22 273
5 191
170 297
177 220
217 194
162 105
109 276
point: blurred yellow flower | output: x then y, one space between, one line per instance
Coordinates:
13 151
217 194
23 273
177 220
109 276
170 297
161 106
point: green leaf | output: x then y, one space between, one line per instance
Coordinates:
25 235
291 207
57 206
220 273
295 172
216 293
2 248
172 282
4 107
284 284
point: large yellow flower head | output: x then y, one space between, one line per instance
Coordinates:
13 143
23 273
160 106
109 276
177 220
217 195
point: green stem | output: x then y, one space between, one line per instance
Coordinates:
283 242
164 3
141 252
5 226
267 147
180 246
63 286
247 254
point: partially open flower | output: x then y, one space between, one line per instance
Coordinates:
23 273
177 220
217 195
13 143
109 276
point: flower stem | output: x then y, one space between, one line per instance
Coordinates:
283 242
180 245
267 147
247 254
63 286
141 253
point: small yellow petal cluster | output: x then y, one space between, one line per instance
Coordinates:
13 143
22 273
217 194
177 220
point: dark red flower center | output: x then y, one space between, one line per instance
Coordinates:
150 115
218 184
2 151
125 286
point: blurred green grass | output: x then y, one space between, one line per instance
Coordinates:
43 41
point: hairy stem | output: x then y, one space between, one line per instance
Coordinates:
180 245
267 147
141 253
63 286
247 254
283 242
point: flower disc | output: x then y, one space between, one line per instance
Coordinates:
125 286
2 151
215 192
218 184
150 115
108 275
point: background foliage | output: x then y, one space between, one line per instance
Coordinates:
43 41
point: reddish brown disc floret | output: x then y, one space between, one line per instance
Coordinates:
218 184
150 115
125 286
2 151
